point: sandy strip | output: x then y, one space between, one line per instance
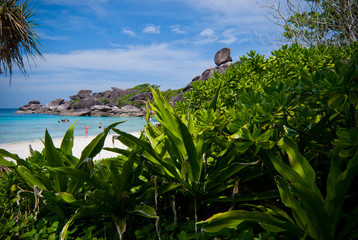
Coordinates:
22 148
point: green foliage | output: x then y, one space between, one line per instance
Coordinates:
254 73
145 87
169 94
104 100
137 89
309 119
183 157
323 22
274 141
72 102
314 215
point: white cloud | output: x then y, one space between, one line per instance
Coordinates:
177 30
208 33
229 36
207 36
152 29
157 63
128 32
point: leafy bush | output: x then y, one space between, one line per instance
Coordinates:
169 94
254 73
104 100
310 118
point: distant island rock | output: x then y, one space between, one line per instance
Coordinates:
118 102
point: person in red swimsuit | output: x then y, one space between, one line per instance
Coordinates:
86 131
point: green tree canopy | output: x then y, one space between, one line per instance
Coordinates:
315 22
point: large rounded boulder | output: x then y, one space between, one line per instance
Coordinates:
223 56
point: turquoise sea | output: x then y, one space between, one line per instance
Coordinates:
24 127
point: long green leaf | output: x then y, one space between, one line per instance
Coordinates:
318 225
6 163
144 211
287 198
195 164
69 198
80 212
124 180
300 165
67 141
271 220
19 161
31 180
53 159
129 140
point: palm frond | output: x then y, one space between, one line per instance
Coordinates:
17 36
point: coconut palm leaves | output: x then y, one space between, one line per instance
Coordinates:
17 35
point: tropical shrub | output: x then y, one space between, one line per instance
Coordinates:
254 73
315 119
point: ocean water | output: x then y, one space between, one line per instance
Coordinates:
24 127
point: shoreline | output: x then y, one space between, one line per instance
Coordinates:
79 143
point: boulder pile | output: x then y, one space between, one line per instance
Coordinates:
109 103
222 60
86 103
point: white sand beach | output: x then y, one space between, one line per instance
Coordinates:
22 148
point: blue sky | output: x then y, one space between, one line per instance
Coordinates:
97 44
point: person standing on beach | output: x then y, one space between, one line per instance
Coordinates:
86 131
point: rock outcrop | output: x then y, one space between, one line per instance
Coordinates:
86 103
223 61
118 102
